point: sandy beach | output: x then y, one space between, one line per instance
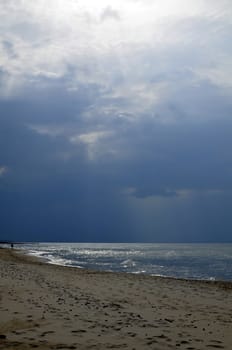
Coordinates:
44 306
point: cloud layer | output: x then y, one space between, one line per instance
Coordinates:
115 120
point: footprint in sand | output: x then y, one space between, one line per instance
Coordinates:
215 346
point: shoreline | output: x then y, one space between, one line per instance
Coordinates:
177 261
216 282
47 306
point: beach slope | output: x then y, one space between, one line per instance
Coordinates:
44 306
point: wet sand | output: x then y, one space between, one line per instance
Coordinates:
45 306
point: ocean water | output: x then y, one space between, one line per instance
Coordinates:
192 261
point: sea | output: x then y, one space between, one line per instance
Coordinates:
188 261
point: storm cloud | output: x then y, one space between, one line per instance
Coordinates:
115 121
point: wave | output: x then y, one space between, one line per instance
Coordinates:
208 261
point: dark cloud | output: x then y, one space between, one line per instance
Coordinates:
52 186
115 135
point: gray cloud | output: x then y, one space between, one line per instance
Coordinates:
118 131
110 13
3 170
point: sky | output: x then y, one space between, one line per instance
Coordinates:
116 120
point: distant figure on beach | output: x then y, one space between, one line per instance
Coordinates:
12 245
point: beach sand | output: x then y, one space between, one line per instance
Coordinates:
43 306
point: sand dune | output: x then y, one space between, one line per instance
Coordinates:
44 306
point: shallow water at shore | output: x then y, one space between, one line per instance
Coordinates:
191 261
